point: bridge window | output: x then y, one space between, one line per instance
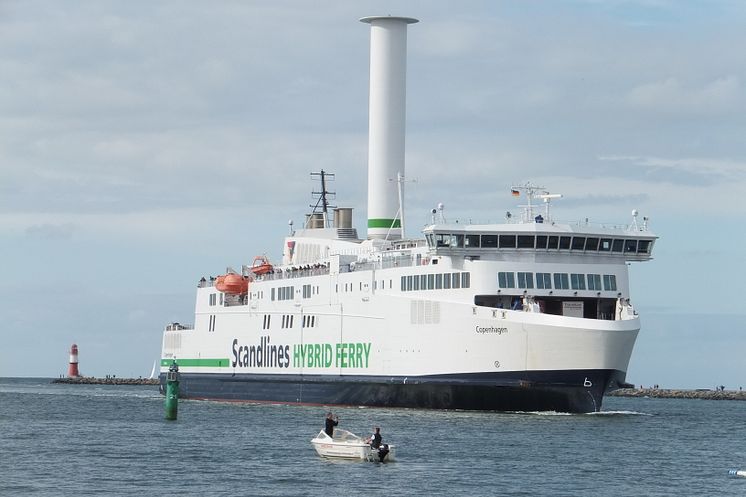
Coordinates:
544 281
526 241
561 281
630 246
541 241
442 240
507 241
594 282
617 246
471 241
643 247
506 280
578 243
489 241
525 280
564 243
457 241
591 244
605 245
610 282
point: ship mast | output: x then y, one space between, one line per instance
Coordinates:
531 192
323 195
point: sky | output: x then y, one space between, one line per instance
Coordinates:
146 144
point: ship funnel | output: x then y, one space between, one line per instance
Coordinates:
388 78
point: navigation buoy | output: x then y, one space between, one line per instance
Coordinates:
737 473
172 391
72 368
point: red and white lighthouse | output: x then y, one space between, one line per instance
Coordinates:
72 369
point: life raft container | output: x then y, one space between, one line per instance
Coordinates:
261 265
232 283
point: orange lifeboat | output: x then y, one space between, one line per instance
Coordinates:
232 283
261 265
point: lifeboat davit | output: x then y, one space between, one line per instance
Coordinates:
232 283
261 265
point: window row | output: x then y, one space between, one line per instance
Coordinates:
287 321
309 321
440 281
561 281
283 293
548 242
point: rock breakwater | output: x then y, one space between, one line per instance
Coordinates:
107 381
665 393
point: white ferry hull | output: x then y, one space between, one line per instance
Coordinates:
474 358
521 391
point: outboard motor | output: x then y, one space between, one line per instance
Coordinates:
383 451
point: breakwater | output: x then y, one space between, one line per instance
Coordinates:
665 393
107 381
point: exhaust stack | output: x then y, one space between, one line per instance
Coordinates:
388 79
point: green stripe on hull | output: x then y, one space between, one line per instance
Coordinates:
384 223
198 363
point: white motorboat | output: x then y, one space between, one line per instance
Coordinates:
347 445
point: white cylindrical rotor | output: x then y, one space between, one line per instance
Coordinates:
388 78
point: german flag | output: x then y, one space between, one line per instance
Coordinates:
515 193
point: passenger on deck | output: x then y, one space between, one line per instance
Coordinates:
331 422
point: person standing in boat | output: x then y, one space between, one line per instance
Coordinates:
375 439
331 422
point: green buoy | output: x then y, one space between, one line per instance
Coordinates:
172 391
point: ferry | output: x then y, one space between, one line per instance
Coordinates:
529 314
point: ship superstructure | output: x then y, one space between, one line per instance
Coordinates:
529 314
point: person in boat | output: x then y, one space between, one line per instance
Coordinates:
331 422
375 439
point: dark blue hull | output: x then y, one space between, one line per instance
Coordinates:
563 391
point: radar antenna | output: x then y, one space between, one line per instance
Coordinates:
534 192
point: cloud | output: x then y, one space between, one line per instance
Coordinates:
690 170
722 95
51 231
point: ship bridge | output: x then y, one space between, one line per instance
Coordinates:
485 240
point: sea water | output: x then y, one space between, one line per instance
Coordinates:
113 440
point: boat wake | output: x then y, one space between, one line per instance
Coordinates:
619 413
600 413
